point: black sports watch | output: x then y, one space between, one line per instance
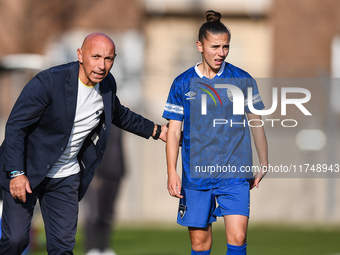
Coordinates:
158 132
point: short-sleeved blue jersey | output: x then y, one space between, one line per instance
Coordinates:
216 142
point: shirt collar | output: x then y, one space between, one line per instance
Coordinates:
201 75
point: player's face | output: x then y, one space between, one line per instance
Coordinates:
214 49
96 59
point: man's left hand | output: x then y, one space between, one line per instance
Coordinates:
164 132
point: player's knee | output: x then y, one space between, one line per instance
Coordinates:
198 244
238 239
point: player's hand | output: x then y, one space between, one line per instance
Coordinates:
174 185
164 132
18 187
258 177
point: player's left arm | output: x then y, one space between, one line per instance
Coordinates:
172 150
261 146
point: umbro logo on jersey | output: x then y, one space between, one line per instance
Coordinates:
190 95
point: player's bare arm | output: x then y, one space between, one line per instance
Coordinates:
261 146
172 149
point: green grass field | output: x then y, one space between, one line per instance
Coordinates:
262 240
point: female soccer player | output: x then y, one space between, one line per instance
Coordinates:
216 149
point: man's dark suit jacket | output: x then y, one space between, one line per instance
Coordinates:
40 124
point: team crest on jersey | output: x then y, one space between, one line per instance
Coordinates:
182 209
190 95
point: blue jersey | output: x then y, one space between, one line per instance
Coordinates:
216 147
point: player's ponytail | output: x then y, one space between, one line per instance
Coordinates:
213 25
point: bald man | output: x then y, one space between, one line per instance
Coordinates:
55 137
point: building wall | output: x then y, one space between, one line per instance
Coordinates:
28 26
303 36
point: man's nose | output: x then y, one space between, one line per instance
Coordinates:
101 64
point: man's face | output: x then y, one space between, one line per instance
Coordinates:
214 49
96 59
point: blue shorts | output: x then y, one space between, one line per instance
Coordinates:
198 208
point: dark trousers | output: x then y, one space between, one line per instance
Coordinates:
58 200
100 200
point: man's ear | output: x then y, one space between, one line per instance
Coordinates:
80 55
199 46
